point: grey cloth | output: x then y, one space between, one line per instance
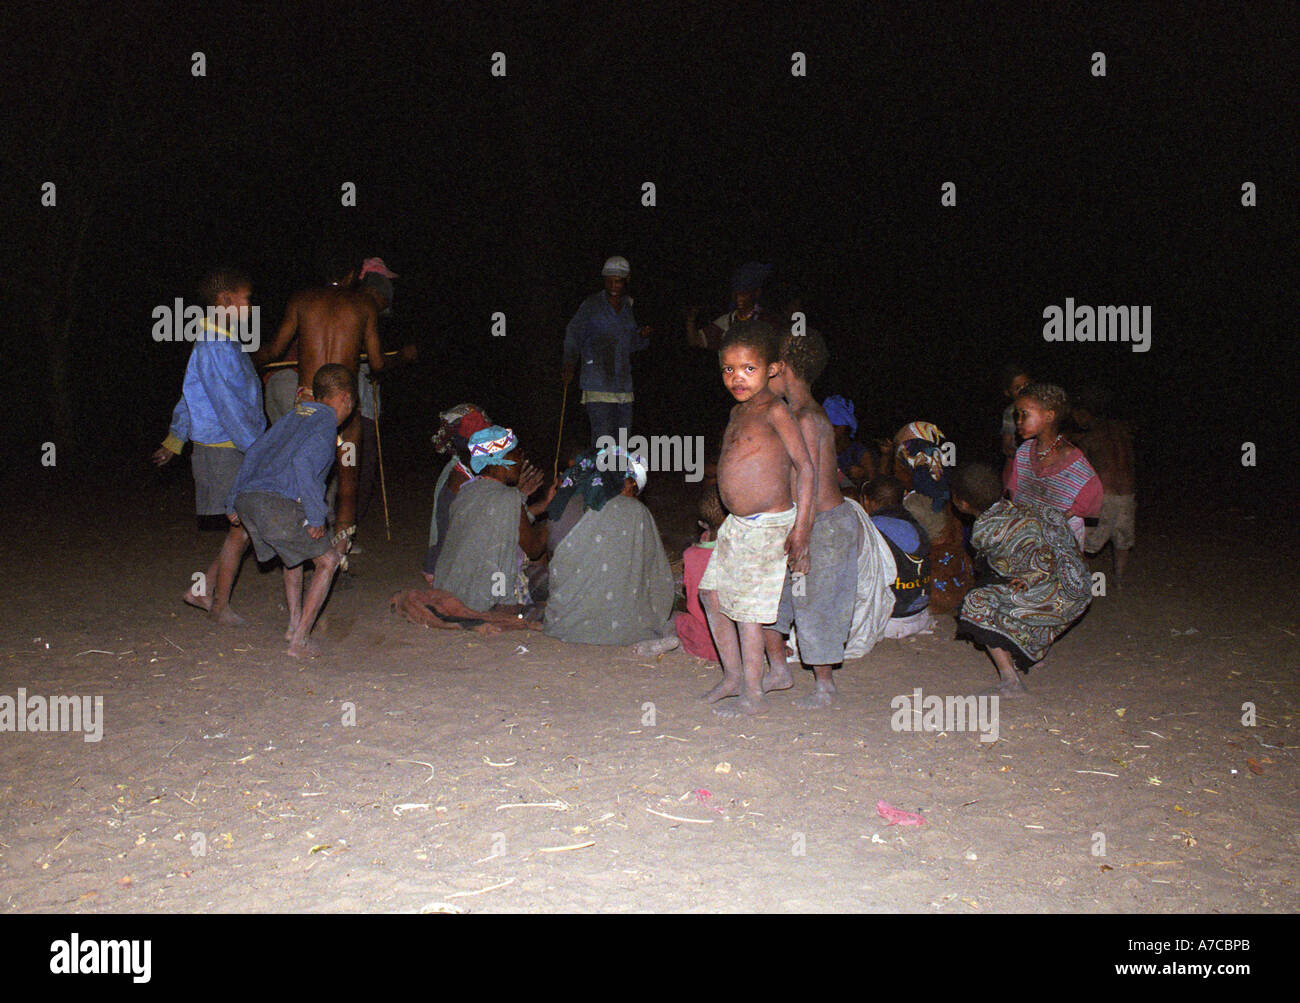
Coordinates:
279 393
277 527
920 508
610 581
480 562
214 470
824 610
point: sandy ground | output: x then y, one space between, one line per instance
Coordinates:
480 777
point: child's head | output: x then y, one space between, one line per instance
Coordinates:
1014 379
1089 404
1040 410
711 512
335 386
975 487
805 355
749 357
226 286
882 492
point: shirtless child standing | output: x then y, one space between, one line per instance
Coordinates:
765 532
333 324
821 604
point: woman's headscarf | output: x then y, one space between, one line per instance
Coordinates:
919 445
597 478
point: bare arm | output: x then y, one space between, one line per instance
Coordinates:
374 348
796 544
283 337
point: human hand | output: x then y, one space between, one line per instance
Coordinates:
316 532
232 519
645 331
161 456
796 549
567 376
530 479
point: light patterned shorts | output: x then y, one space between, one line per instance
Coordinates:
747 569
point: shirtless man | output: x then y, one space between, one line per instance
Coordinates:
766 532
333 324
821 604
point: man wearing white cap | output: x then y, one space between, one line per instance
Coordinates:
601 339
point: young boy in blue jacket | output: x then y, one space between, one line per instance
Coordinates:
278 498
220 411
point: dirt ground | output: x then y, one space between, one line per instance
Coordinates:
483 777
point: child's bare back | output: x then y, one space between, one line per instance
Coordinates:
819 437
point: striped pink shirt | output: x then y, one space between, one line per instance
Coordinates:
1070 486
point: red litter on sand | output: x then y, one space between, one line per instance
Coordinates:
704 797
896 816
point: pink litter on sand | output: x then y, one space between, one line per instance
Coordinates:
703 797
896 816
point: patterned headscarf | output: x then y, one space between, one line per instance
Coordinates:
457 425
488 448
919 445
597 478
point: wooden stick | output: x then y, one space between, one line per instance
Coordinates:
559 436
379 448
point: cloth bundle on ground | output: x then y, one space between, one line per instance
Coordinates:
874 600
441 610
1030 542
609 577
480 561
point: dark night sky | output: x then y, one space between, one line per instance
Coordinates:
506 194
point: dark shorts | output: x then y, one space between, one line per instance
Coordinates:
214 469
275 525
822 607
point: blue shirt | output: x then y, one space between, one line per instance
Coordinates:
601 341
292 460
221 398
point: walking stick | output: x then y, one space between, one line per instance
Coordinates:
379 448
559 436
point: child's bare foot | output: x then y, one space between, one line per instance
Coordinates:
729 687
227 617
777 678
744 705
198 602
304 649
293 629
655 646
821 697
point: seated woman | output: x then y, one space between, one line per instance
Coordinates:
1038 583
493 532
919 466
451 440
609 576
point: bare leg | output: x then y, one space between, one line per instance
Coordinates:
204 602
1009 684
317 589
1121 562
750 700
823 694
778 673
232 552
727 641
293 598
348 479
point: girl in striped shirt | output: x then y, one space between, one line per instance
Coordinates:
1046 468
